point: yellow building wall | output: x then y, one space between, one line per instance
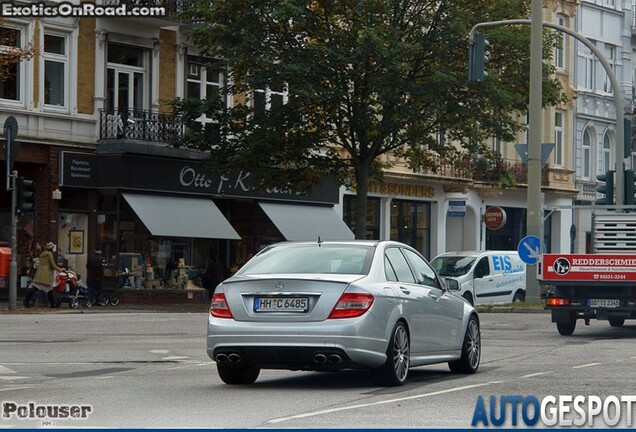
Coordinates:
86 66
167 69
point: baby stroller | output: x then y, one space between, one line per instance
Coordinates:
72 290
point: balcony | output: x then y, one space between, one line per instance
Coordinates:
139 125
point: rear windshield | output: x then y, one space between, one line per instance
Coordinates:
453 265
336 259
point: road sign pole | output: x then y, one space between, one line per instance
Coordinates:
13 267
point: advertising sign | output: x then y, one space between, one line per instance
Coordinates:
495 218
565 267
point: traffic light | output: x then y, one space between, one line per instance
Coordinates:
607 188
26 195
477 57
629 187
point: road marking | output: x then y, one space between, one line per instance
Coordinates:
12 378
586 365
159 351
175 358
15 388
388 401
5 370
536 374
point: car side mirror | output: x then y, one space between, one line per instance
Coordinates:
452 284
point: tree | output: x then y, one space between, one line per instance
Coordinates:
365 78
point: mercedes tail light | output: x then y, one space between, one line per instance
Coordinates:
219 307
351 305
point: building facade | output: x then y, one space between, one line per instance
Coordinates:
93 109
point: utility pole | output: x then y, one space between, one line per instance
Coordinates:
534 219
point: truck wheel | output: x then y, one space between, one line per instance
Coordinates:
617 322
566 328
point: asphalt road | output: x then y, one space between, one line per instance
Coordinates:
150 370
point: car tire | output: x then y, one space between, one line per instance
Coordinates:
468 296
398 357
566 328
519 297
617 322
468 363
231 374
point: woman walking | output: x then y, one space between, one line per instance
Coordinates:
43 279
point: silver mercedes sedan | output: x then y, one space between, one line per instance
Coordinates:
359 304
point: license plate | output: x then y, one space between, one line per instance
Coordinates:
281 304
607 303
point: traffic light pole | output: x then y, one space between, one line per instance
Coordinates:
535 208
13 266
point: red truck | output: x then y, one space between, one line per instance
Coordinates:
601 285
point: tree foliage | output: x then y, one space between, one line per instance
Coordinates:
365 78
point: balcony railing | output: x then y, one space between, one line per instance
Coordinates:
499 171
142 125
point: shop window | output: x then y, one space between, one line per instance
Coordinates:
373 215
268 99
410 224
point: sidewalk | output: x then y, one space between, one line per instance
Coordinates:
120 308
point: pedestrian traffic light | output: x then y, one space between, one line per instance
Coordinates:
630 199
477 57
26 195
607 188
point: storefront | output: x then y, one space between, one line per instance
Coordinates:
163 217
399 211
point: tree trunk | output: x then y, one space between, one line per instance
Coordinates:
362 190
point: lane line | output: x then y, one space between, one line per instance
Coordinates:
586 365
406 398
6 370
12 378
15 388
536 374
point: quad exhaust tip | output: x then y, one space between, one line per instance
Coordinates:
320 358
234 358
334 359
221 358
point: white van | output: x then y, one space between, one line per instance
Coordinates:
485 277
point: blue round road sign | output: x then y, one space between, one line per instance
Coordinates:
529 249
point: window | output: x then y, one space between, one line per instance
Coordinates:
558 137
588 72
482 269
496 146
559 52
54 57
398 264
424 274
607 146
11 76
126 77
269 99
204 80
610 55
411 224
587 151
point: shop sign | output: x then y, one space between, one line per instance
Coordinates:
495 218
172 175
401 189
457 208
